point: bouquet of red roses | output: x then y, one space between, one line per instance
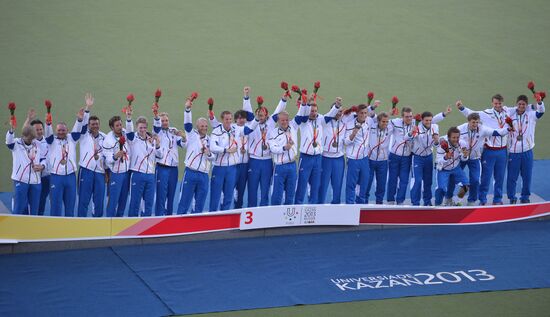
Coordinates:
444 145
121 142
158 93
155 107
284 86
531 86
260 101
13 119
394 102
194 96
370 97
48 105
510 122
130 98
297 90
210 102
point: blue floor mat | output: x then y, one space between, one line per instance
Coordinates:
223 275
93 282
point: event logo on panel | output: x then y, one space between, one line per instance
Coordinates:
291 215
309 214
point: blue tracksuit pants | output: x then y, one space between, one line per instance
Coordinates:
284 181
242 177
167 182
398 177
520 164
195 185
259 175
62 194
309 173
443 177
493 164
223 180
44 192
380 170
333 173
474 174
357 174
119 187
422 179
143 187
91 184
26 198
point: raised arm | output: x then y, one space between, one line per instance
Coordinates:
214 123
371 109
10 139
31 114
76 132
463 109
442 115
300 116
333 110
246 104
156 125
48 132
129 125
188 117
89 102
280 107
540 109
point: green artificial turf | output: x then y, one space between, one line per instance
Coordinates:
429 53
525 303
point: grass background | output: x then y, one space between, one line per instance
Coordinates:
428 52
525 303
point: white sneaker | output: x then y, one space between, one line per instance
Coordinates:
448 202
472 203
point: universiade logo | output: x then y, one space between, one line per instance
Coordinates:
416 279
302 215
290 215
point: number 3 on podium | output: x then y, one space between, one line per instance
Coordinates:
249 219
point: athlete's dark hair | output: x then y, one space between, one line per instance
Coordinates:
522 98
426 114
452 130
36 121
473 116
498 97
239 114
113 120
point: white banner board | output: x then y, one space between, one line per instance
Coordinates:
299 215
